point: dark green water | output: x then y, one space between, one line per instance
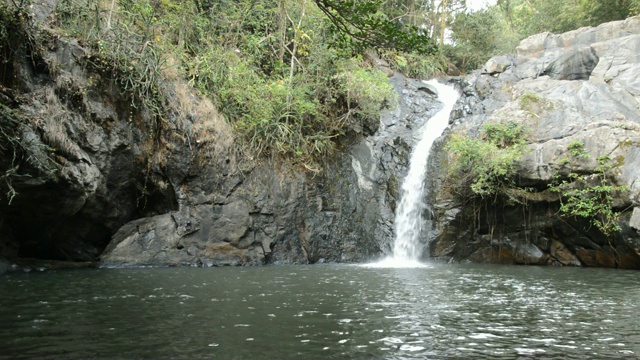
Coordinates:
321 312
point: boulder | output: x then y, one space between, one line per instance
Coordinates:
574 64
635 218
497 64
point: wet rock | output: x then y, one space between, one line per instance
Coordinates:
530 254
596 258
561 254
230 222
5 266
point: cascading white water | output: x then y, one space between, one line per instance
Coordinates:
408 223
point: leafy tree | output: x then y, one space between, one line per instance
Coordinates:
479 35
362 24
528 17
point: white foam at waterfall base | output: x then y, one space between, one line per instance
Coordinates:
407 247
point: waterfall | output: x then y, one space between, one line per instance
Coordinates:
408 222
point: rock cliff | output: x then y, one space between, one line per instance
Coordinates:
575 91
270 214
97 177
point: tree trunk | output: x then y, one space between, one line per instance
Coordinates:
443 20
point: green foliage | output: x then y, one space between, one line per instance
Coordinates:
528 100
272 75
485 166
415 65
635 7
294 117
127 46
364 87
478 36
362 25
576 148
591 196
528 17
534 104
505 135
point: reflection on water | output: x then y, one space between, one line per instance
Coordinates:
322 311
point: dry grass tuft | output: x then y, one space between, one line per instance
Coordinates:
54 127
212 135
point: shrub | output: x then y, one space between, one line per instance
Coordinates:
365 89
590 196
577 149
485 166
534 104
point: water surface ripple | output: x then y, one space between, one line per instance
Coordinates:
322 311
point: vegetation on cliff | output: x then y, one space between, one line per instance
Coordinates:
267 66
15 34
289 77
590 196
484 170
485 166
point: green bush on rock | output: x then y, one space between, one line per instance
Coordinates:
485 166
590 196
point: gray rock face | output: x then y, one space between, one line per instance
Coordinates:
497 64
264 216
344 214
81 177
129 190
574 64
585 89
177 193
